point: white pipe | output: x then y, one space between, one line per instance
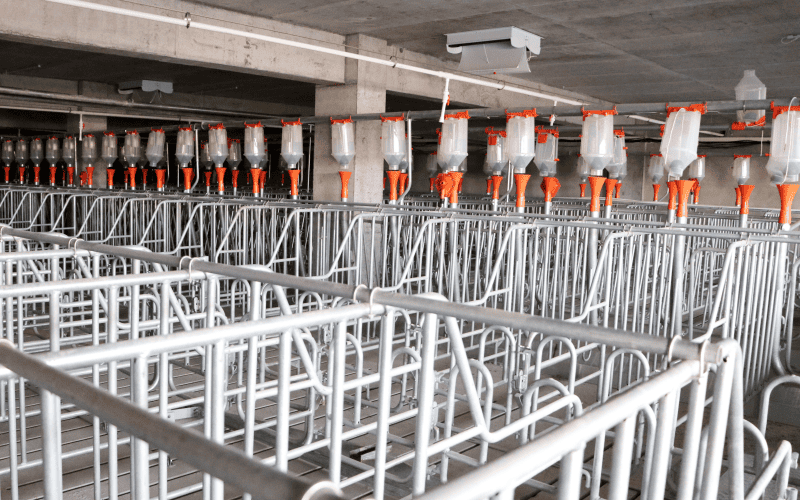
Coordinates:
187 23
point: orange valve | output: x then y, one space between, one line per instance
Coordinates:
21 175
110 177
90 176
521 180
738 196
684 189
745 191
596 185
220 179
161 174
71 175
52 176
673 193
696 191
496 181
36 175
610 183
457 178
393 176
617 189
7 171
582 185
656 189
345 176
550 187
294 175
235 178
132 177
786 192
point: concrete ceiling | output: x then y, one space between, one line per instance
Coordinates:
642 51
49 62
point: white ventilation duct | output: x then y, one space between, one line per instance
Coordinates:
496 50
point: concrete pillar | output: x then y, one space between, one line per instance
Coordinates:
94 125
364 91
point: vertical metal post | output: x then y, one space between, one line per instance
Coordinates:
384 401
252 369
425 403
663 446
621 460
337 402
51 446
569 477
112 333
141 461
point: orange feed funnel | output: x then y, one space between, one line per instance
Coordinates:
71 175
294 175
187 178
36 174
444 184
550 187
617 188
673 193
786 192
132 176
496 181
345 176
220 178
610 183
455 188
521 180
110 177
160 177
696 191
595 185
52 175
656 189
403 182
738 196
207 175
90 176
684 189
235 178
394 176
745 190
582 185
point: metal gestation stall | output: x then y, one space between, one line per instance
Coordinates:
173 344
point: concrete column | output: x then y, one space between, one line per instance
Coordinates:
94 125
364 91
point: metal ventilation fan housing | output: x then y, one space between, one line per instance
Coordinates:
496 50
